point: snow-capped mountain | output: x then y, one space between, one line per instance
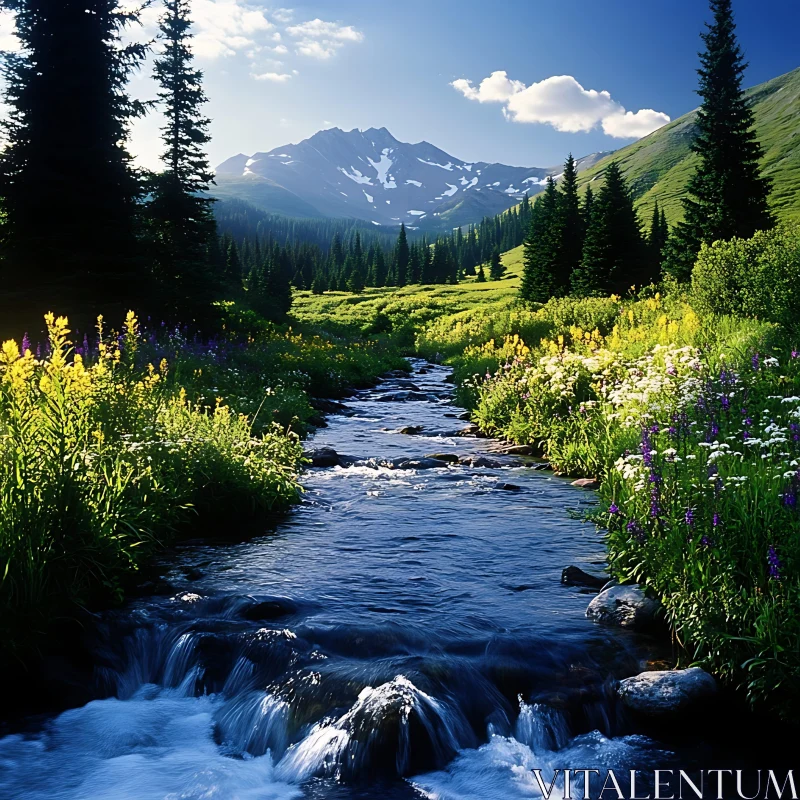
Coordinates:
372 176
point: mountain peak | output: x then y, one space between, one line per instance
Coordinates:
370 175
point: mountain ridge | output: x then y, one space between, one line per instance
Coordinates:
370 175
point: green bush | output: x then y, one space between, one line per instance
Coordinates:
757 277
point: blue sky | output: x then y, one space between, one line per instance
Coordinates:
275 76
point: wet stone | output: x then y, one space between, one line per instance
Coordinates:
575 576
586 483
450 458
663 692
626 606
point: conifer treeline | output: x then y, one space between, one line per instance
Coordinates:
342 255
593 246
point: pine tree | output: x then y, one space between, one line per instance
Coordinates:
614 256
69 194
496 268
657 239
401 257
481 275
727 195
540 274
570 249
180 214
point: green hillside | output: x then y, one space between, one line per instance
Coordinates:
659 166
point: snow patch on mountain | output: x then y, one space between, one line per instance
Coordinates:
356 176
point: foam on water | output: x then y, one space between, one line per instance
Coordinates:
156 745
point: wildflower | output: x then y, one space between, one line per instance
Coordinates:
755 362
774 563
706 541
636 531
26 344
613 509
794 354
688 517
716 520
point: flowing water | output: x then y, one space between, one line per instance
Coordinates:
400 634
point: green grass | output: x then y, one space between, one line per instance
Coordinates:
659 165
411 305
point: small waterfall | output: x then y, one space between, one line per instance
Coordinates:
254 722
393 729
542 728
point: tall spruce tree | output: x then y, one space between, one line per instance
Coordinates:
572 226
727 195
401 257
496 268
541 261
182 223
614 256
69 194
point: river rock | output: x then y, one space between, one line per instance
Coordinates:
586 483
327 406
322 457
487 462
404 395
666 691
626 606
411 430
508 487
417 463
465 415
575 576
406 384
268 609
470 430
450 458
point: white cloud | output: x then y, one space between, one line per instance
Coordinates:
223 27
562 102
497 88
319 39
273 77
629 125
283 15
281 49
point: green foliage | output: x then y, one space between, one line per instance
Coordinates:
756 277
102 462
614 256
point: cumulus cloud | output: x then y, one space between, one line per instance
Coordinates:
272 77
560 101
321 40
636 125
283 15
224 27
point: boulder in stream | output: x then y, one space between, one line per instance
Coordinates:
586 483
411 430
626 606
666 691
322 457
417 463
575 576
450 458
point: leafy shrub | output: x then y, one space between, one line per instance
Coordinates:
101 462
757 277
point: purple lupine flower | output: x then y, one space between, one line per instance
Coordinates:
39 352
726 403
755 362
774 563
636 531
654 428
706 541
790 496
795 353
26 344
795 429
714 429
688 517
716 521
613 509
646 448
